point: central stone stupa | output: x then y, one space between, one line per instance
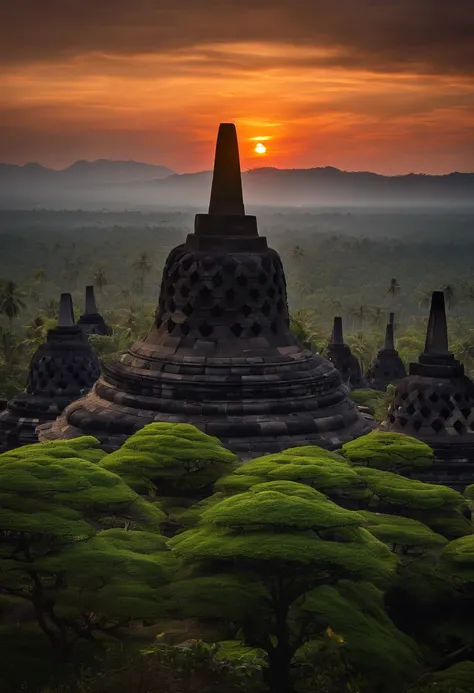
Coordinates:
220 354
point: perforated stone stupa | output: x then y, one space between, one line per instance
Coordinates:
387 368
343 359
220 354
91 321
435 403
62 369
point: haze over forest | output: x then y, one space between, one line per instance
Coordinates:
129 184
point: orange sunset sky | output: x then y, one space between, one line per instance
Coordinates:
381 85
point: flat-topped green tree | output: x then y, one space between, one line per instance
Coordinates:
53 552
288 539
177 463
439 507
321 469
392 452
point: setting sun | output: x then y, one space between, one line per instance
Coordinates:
260 148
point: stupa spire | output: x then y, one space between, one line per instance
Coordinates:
90 306
437 332
337 336
389 344
66 311
226 192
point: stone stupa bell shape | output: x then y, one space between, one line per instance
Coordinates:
342 357
435 403
91 321
387 368
62 369
220 354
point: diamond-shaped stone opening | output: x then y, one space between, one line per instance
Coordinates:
271 292
170 290
465 411
217 279
445 413
262 278
459 426
256 328
184 291
230 294
411 409
402 421
246 310
159 322
274 327
170 325
205 293
237 329
445 397
194 277
241 280
433 397
216 312
171 305
174 276
420 397
188 309
416 425
254 293
458 397
425 412
266 309
206 330
185 328
404 396
437 425
280 306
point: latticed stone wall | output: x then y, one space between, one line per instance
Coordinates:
223 296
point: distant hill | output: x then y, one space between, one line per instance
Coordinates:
129 184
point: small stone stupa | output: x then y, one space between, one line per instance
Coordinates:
343 359
435 403
387 368
220 354
91 321
62 369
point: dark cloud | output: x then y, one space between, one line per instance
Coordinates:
423 36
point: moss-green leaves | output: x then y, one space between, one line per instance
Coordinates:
388 451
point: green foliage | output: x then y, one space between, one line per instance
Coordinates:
171 460
393 452
323 470
402 533
371 643
457 561
457 679
366 397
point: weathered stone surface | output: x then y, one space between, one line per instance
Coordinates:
91 321
435 403
387 368
220 354
61 370
343 359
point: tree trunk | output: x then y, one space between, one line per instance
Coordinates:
278 674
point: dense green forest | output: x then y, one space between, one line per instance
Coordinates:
166 565
357 263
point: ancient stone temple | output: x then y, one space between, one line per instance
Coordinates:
387 368
343 359
62 369
220 354
91 321
435 403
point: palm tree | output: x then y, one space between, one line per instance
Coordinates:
297 253
449 295
39 276
424 299
360 314
99 279
142 266
11 301
393 289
